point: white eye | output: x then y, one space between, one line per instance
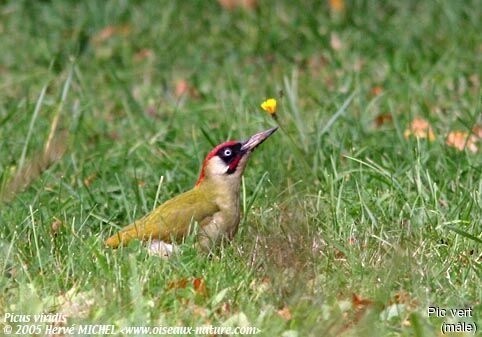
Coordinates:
227 152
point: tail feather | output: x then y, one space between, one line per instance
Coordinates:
123 237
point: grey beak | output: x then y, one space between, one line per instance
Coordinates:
257 139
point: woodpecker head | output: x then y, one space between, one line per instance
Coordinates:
228 160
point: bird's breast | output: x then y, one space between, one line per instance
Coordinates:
229 212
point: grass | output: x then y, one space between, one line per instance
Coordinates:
334 206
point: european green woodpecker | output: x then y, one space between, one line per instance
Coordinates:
213 203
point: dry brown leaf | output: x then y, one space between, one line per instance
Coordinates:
228 4
199 286
474 79
114 135
178 284
183 87
285 313
335 42
225 308
315 64
104 34
403 297
443 202
358 65
353 317
90 178
382 119
337 6
249 4
109 31
477 130
142 55
261 286
420 128
232 4
377 90
360 303
339 255
461 140
55 227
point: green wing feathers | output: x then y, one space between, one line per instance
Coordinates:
170 220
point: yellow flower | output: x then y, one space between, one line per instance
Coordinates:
269 105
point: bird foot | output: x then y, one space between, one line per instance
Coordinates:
161 248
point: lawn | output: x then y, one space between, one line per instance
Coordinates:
356 220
